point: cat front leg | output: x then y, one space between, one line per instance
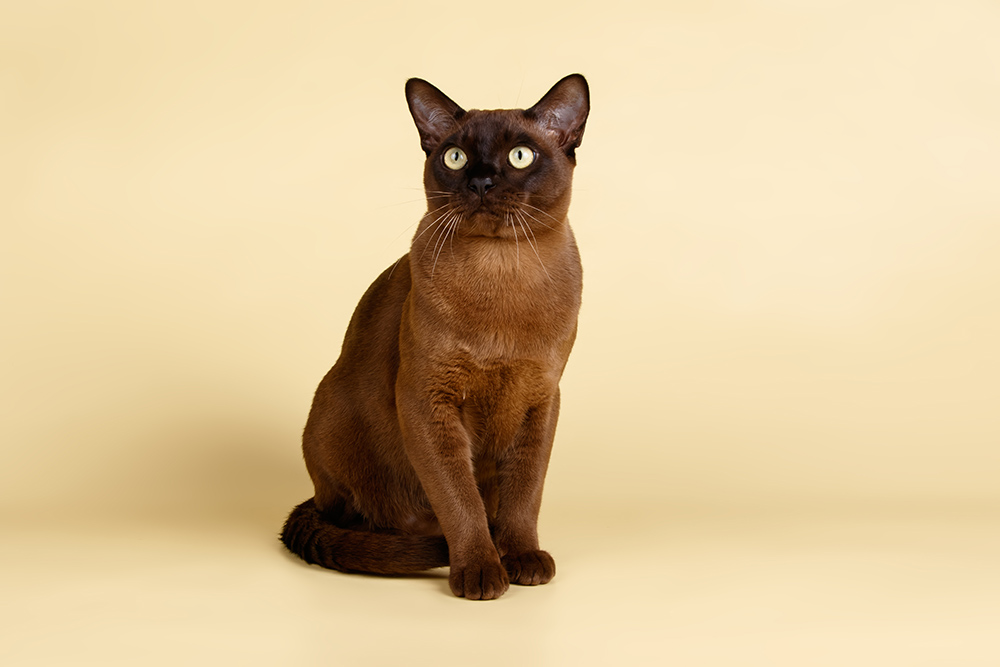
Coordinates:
439 448
521 471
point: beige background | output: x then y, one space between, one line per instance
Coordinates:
779 441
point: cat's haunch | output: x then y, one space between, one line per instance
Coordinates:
428 441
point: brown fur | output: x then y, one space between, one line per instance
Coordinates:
429 439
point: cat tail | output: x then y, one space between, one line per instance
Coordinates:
318 541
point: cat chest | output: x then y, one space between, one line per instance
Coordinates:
502 392
507 318
494 405
498 342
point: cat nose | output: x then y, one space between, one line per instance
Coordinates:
481 184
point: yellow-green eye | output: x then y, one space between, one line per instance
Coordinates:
455 158
521 156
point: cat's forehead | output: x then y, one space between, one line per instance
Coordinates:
485 128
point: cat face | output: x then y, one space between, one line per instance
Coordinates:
503 172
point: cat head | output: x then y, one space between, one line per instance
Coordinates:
493 170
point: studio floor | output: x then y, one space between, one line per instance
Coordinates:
761 588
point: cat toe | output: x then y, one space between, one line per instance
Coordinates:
479 581
530 569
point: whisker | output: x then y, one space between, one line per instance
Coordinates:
440 223
442 232
451 238
535 195
437 209
517 245
442 237
445 236
537 221
439 218
557 221
395 264
527 230
409 227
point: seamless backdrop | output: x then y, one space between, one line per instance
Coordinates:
789 217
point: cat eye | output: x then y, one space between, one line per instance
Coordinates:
520 157
455 158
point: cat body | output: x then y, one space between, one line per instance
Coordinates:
429 439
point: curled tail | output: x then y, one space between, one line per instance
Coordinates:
315 540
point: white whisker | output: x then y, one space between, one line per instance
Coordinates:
558 222
527 229
409 227
438 220
395 264
447 234
517 245
440 223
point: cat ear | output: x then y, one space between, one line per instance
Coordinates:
433 112
563 111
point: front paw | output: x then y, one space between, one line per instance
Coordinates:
479 580
530 568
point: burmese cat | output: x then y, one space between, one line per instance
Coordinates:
428 440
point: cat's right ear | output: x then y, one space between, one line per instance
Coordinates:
563 111
434 113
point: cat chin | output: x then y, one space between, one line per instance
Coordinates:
488 225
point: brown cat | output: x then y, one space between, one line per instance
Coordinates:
428 441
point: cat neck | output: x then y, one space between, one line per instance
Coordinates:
520 255
502 298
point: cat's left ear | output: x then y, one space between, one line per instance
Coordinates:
434 113
563 111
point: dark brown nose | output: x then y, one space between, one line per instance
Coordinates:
481 185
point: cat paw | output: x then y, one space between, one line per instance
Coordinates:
530 569
479 581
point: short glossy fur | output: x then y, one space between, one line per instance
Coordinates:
429 439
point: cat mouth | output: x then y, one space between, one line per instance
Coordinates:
492 208
490 220
496 216
508 224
